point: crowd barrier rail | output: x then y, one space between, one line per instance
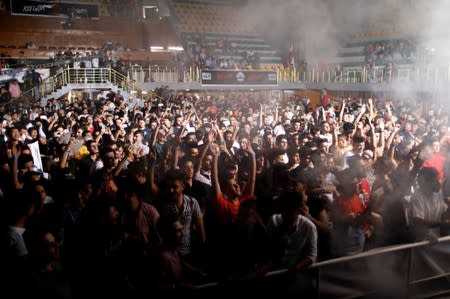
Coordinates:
415 270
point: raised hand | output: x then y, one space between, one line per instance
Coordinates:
211 136
249 149
152 155
215 149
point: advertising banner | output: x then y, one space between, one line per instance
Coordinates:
54 9
225 77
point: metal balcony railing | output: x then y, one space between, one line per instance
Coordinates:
92 76
137 75
165 74
367 75
362 75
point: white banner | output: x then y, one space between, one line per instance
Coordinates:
36 153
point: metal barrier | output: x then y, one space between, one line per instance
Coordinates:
88 76
368 75
138 75
164 74
420 269
346 76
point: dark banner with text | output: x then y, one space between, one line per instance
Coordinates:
54 9
221 77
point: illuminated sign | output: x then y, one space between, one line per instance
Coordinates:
54 9
225 77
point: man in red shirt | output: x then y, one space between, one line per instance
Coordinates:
324 98
228 195
435 159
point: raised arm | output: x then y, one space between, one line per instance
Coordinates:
372 136
341 113
100 135
360 114
391 149
154 135
388 111
176 154
370 104
335 130
199 161
215 170
155 132
382 142
275 119
235 130
15 168
121 164
53 122
250 186
154 189
223 146
63 162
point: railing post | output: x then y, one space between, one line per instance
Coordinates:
149 74
448 74
364 80
66 77
408 273
318 283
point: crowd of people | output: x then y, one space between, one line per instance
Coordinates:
105 197
202 55
390 50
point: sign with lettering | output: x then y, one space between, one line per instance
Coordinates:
54 9
225 77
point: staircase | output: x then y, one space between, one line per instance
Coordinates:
84 79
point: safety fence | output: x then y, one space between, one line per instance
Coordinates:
416 270
136 76
357 75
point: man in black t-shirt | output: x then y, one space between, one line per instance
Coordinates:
36 81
